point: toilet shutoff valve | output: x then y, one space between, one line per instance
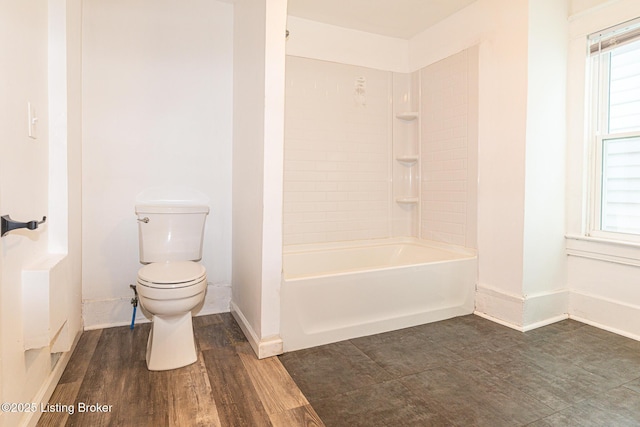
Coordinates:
134 300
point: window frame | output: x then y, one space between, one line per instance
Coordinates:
598 102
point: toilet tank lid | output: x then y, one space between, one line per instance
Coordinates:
171 208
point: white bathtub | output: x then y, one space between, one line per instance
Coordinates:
336 292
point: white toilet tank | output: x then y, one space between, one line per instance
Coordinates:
170 232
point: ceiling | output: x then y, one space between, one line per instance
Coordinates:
393 18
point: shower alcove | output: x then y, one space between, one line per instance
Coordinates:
377 162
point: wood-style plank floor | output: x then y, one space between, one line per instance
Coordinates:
227 386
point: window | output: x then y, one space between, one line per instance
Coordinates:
615 131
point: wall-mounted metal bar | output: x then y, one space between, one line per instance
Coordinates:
8 224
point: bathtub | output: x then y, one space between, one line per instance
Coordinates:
336 292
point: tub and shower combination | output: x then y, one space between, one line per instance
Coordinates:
333 292
373 153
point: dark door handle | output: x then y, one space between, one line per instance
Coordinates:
8 224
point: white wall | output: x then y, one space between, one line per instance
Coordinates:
23 79
578 6
337 152
449 149
520 210
74 157
544 270
258 137
525 280
65 151
39 50
157 79
310 39
248 160
500 29
602 275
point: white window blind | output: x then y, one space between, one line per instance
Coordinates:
624 90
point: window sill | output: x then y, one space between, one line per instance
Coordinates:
616 251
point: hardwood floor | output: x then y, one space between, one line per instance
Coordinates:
227 386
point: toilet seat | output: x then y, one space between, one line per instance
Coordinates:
171 275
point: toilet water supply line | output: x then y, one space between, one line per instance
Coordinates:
134 303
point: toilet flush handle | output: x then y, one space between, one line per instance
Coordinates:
145 219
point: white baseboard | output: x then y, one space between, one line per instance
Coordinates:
498 321
613 316
46 391
522 313
545 308
499 306
107 313
262 347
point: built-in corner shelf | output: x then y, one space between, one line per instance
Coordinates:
407 115
407 200
408 159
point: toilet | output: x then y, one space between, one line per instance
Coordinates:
172 282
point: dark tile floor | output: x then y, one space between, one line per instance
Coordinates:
468 371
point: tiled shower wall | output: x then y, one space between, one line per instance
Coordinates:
337 183
448 148
338 152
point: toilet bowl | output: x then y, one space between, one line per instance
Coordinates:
171 283
169 291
